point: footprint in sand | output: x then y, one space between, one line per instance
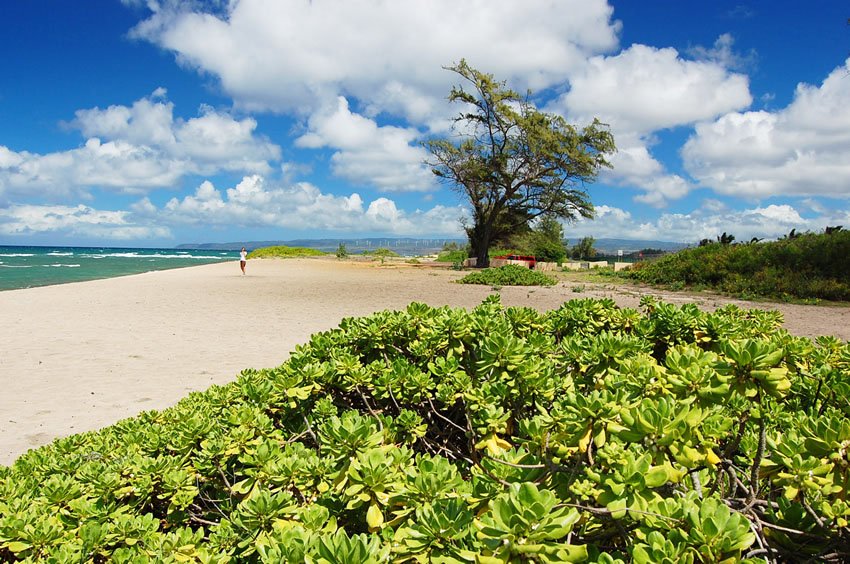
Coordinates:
37 438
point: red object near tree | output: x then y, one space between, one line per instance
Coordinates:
532 262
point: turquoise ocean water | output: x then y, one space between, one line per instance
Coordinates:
26 267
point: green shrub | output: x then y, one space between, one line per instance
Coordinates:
587 433
501 251
382 254
508 275
285 252
807 266
455 255
341 251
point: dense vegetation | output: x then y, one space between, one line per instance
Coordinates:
545 242
508 275
803 266
451 252
588 433
285 252
453 255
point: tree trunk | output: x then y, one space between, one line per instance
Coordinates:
483 258
479 241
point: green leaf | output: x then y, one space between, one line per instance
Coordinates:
618 507
791 492
641 556
374 516
572 553
17 546
657 476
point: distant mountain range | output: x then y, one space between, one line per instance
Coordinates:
405 246
408 246
611 246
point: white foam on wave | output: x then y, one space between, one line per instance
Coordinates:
58 254
17 255
60 265
114 255
14 266
150 257
186 257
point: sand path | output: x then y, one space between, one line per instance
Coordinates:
77 357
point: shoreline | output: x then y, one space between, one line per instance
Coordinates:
110 277
83 355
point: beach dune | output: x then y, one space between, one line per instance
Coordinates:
81 356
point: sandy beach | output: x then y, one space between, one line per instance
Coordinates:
81 356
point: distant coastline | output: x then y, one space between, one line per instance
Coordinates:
409 246
405 246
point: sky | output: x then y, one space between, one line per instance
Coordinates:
148 123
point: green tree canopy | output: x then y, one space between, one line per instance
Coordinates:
548 240
515 163
584 249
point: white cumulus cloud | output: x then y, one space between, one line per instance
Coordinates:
211 141
635 167
251 203
135 149
645 89
368 154
298 207
81 221
802 149
723 52
310 59
294 55
707 222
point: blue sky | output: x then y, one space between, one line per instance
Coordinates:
157 122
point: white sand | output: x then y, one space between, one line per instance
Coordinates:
81 356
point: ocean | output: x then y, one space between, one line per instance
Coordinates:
27 267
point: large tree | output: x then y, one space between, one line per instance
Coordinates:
513 162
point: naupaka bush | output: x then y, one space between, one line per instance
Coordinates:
508 275
588 433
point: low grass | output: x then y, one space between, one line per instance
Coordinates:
456 255
285 252
381 252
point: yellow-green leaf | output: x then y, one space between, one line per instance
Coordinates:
374 516
17 546
657 476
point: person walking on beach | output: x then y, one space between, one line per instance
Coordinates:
243 259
